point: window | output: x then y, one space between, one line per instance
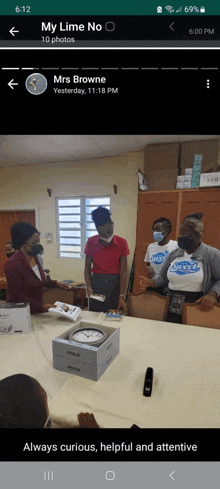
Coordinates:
75 224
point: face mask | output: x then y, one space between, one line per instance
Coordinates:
158 236
9 254
185 242
108 240
35 250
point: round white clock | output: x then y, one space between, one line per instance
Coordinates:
89 336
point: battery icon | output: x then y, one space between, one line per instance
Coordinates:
202 9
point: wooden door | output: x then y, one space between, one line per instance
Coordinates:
152 206
175 205
206 201
6 221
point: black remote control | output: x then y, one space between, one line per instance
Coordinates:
148 382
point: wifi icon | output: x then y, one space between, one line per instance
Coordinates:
169 9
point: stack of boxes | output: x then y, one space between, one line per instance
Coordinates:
188 177
180 181
192 175
84 360
184 181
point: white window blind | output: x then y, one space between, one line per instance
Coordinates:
75 224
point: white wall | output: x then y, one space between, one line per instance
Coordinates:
25 187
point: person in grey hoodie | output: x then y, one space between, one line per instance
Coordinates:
192 271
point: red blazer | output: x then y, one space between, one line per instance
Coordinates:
23 283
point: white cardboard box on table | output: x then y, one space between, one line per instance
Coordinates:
15 318
82 359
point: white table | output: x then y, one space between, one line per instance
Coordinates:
185 359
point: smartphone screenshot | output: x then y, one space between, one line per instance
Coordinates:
109 245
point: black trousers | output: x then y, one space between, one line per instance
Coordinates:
105 284
159 290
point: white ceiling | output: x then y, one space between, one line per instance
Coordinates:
34 150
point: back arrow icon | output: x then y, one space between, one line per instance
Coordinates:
171 475
11 84
170 26
12 31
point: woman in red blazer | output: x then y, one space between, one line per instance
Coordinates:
25 276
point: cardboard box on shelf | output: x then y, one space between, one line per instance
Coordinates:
184 181
161 157
162 180
179 185
187 185
160 166
208 148
180 181
197 165
181 178
209 179
188 171
195 181
161 161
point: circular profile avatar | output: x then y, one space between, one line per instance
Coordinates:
36 84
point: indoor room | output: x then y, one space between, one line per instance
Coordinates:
148 186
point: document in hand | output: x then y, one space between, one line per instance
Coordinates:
98 297
67 310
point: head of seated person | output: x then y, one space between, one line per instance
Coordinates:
26 237
23 403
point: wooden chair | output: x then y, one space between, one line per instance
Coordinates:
192 315
148 305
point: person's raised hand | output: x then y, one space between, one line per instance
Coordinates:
122 306
89 291
62 286
144 282
47 306
150 272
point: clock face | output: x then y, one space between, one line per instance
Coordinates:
90 336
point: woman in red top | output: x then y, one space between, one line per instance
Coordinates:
25 276
108 254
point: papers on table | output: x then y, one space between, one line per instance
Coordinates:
112 315
67 310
